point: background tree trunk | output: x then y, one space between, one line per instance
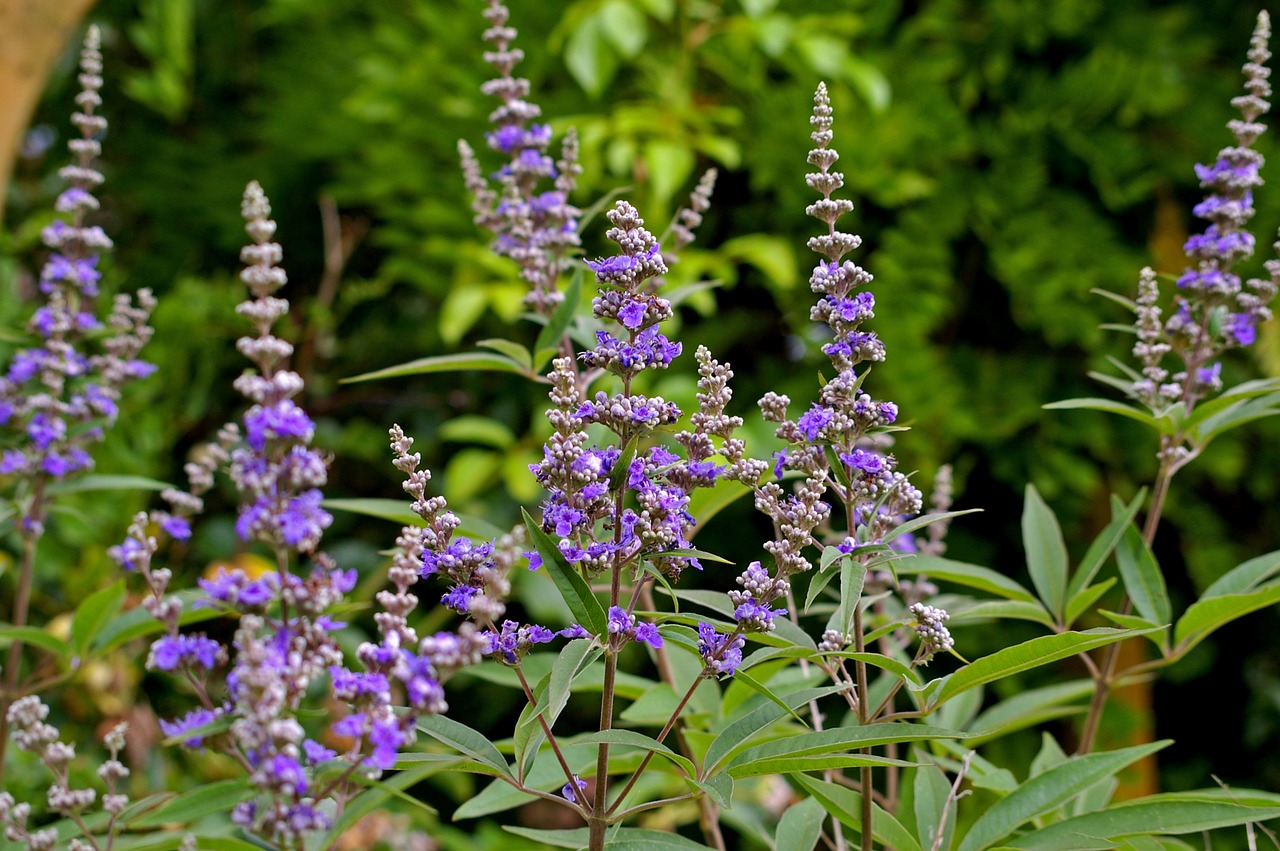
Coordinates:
32 35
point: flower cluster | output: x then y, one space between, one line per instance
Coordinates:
1213 311
928 622
833 444
284 642
28 717
537 228
57 398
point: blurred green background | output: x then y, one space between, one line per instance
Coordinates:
1004 157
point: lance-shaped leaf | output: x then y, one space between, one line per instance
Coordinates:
1157 815
461 362
846 805
1208 614
1023 657
1109 405
1048 791
800 826
839 740
1246 576
464 740
1046 552
1103 545
969 575
1142 578
575 590
733 737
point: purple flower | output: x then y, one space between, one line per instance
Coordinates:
864 460
191 721
813 421
720 655
281 420
632 314
571 793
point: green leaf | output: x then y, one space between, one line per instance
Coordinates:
823 762
846 805
551 694
1045 793
690 553
217 797
1142 578
589 59
1245 577
1023 657
932 790
852 575
1108 405
1046 552
630 738
574 838
734 736
800 826
1102 547
624 26
461 362
1009 609
553 332
839 740
968 575
1235 416
464 740
1030 707
94 613
372 798
107 483
1082 601
1173 813
138 622
35 637
575 590
398 511
1203 617
475 429
513 350
925 520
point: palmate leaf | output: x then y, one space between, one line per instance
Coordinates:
1046 792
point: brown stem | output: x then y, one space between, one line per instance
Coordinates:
546 729
1106 676
708 810
864 772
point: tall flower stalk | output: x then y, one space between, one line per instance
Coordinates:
58 397
1212 312
285 643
